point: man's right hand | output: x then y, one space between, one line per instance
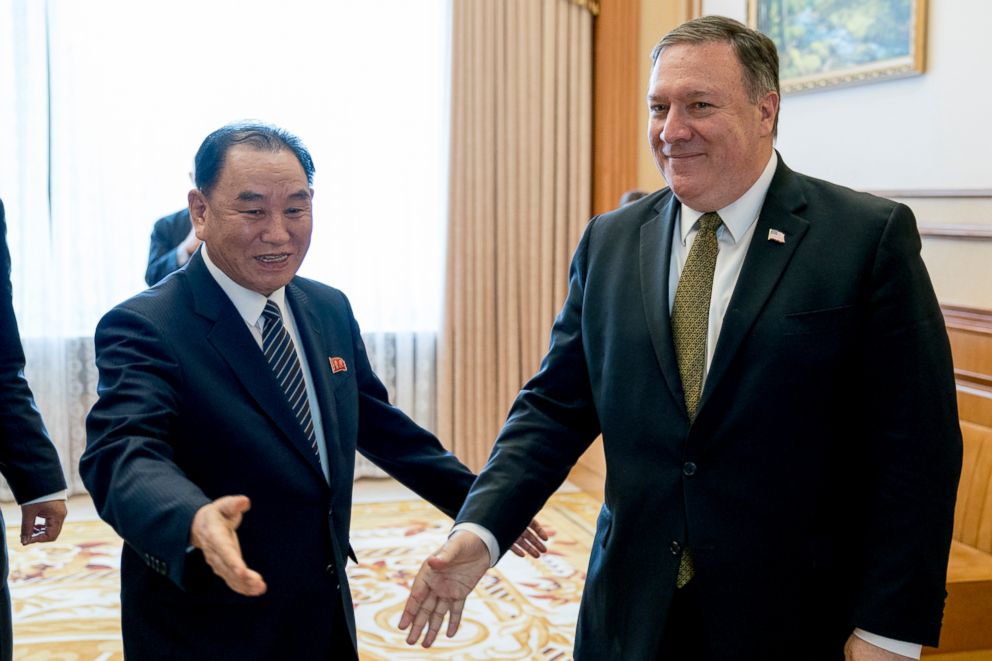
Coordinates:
214 532
442 584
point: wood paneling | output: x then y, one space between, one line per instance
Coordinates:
617 96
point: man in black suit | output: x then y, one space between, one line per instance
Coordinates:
235 384
173 242
766 360
28 459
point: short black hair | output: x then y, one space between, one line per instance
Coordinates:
212 152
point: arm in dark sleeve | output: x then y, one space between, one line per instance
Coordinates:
129 465
914 444
401 447
551 423
161 252
28 459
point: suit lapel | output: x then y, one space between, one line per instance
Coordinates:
762 271
655 259
309 326
233 341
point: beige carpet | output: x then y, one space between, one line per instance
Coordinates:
66 605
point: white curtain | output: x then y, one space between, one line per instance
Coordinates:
103 104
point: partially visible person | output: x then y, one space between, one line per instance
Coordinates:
766 360
232 400
173 242
28 459
631 196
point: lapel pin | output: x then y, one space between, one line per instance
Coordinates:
776 236
337 364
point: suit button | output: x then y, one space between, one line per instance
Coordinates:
688 469
676 548
329 569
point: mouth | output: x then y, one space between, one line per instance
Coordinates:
274 259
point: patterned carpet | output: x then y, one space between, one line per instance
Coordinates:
66 605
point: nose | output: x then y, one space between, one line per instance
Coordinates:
675 127
277 230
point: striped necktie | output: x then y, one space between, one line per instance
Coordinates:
281 354
690 326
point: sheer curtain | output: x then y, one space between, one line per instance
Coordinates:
104 103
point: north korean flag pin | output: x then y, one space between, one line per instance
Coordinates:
337 364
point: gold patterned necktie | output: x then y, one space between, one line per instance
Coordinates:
690 326
691 310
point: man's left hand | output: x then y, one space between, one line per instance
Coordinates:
857 649
52 511
531 541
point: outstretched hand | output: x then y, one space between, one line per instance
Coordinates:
531 541
442 584
214 531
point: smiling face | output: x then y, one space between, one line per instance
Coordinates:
257 218
710 141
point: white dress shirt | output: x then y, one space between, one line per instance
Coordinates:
250 305
733 239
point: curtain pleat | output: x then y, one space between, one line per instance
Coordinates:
521 145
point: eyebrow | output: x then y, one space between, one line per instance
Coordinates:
302 194
249 196
695 94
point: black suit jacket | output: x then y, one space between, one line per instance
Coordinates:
28 459
189 411
168 232
816 485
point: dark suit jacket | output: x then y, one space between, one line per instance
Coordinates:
816 485
168 232
189 411
28 459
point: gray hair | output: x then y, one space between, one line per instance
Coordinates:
756 52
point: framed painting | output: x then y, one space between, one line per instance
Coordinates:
826 43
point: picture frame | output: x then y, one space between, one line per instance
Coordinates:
831 43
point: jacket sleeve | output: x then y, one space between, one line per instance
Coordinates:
401 447
129 466
161 254
28 459
913 446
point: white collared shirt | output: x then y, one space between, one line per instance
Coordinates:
250 305
733 238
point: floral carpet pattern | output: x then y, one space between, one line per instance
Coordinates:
67 608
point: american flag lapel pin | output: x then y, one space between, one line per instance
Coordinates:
337 364
776 235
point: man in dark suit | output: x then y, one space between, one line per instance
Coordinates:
766 360
173 242
232 385
28 459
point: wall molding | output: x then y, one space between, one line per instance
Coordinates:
966 318
969 232
906 193
970 333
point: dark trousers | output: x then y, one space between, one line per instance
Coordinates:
6 635
685 637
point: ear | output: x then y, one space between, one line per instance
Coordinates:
768 111
198 212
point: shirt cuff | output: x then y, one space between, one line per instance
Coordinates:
912 650
58 495
482 533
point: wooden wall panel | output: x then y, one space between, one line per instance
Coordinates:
617 95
